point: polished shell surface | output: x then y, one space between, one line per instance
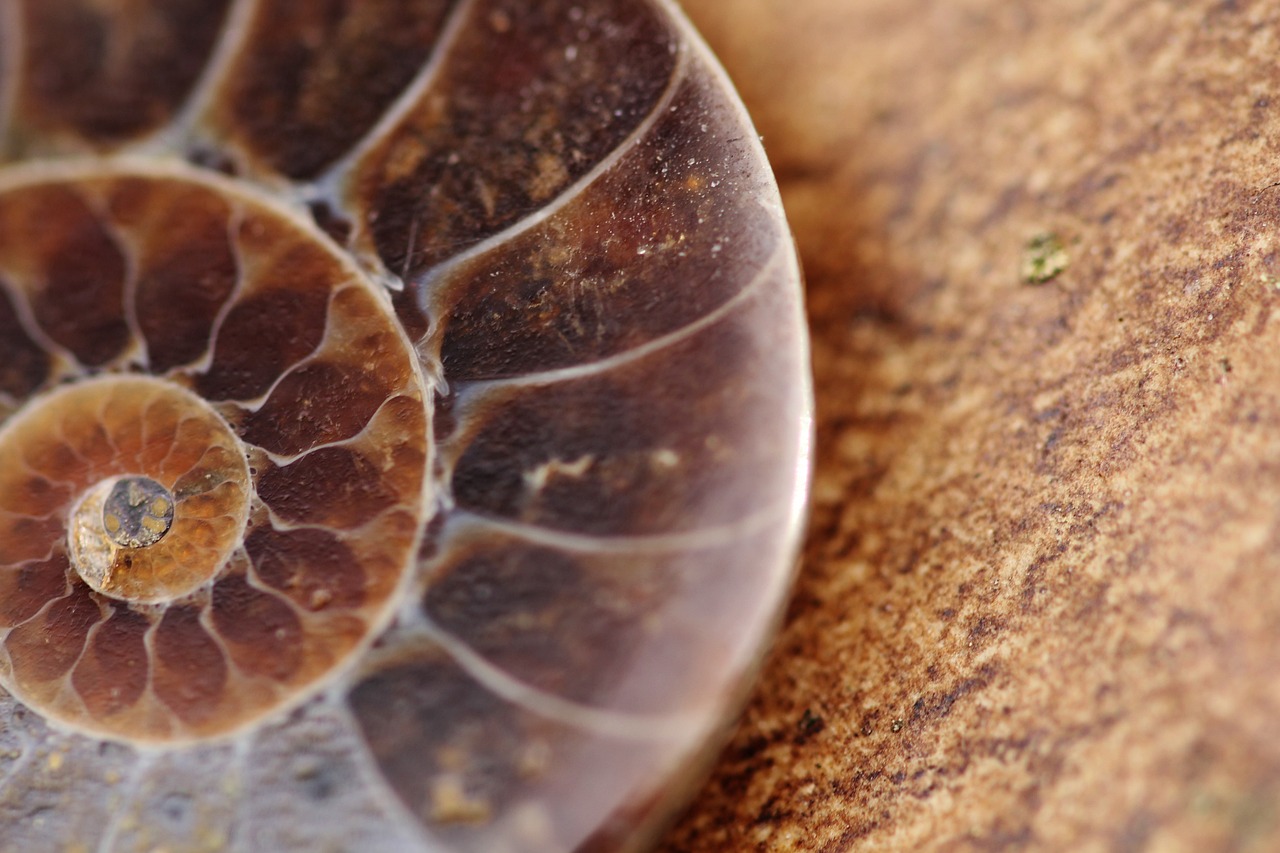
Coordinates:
404 422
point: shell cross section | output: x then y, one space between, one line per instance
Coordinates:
117 533
213 454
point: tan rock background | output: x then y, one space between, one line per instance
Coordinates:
1040 600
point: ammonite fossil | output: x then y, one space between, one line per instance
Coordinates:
403 422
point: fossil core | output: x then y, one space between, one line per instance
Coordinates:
278 464
403 421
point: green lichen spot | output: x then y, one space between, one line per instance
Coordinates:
1043 258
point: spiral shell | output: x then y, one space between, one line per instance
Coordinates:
404 422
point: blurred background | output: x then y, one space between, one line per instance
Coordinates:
1038 608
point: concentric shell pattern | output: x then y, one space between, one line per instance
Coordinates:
404 422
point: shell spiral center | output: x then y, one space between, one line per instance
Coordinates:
213 454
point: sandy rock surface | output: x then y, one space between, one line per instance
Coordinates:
1040 601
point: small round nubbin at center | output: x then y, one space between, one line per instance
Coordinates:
138 512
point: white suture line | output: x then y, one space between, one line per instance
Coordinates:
702 539
614 724
721 83
473 394
595 368
202 364
333 177
382 794
442 270
242 749
235 31
26 315
20 763
118 815
130 252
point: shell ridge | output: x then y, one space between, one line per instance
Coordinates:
43 558
23 462
15 765
129 295
253 404
283 708
482 387
235 221
149 645
317 356
47 516
283 459
61 432
5 632
127 793
174 446
327 184
140 347
14 782
340 675
254 580
541 703
705 538
385 795
178 132
101 414
430 281
241 751
283 525
67 694
156 806
26 316
695 43
67 679
256 402
206 621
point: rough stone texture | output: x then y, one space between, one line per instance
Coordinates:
1038 607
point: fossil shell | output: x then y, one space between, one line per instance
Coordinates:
404 422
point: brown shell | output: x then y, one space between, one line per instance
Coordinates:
452 353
